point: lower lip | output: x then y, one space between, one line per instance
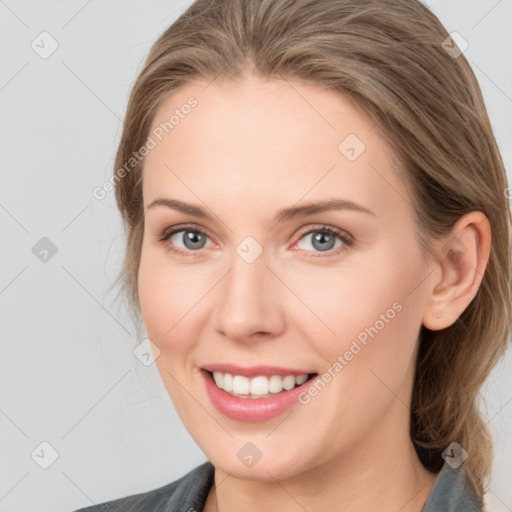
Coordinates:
252 409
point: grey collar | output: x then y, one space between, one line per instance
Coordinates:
452 493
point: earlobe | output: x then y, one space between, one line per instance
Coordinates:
462 263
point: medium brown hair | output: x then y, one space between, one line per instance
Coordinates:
388 57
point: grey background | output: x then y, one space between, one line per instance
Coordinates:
68 375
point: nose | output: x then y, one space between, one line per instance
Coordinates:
250 301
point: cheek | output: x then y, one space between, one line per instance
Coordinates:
376 320
162 302
165 300
373 312
174 306
165 292
156 305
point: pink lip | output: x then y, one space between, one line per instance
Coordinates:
249 409
254 371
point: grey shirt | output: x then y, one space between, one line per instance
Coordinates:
450 493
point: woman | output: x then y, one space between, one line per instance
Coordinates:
342 377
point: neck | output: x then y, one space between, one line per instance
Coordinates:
382 472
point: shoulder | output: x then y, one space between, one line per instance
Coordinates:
186 494
452 492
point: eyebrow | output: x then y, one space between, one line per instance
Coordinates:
286 214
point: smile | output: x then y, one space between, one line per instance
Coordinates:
254 397
258 387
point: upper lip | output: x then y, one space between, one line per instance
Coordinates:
253 371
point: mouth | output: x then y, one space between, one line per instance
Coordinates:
258 386
256 393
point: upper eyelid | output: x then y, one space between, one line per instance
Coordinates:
190 227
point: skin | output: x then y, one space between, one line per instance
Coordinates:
243 153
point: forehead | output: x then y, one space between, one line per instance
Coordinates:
275 139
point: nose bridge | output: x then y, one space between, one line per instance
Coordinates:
249 299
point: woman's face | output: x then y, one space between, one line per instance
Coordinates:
259 288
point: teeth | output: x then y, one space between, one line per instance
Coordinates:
301 379
275 384
227 382
257 387
241 385
289 382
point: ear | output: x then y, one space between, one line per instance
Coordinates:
460 268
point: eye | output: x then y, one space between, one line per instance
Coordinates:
191 237
323 239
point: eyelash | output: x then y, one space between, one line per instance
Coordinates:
343 236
